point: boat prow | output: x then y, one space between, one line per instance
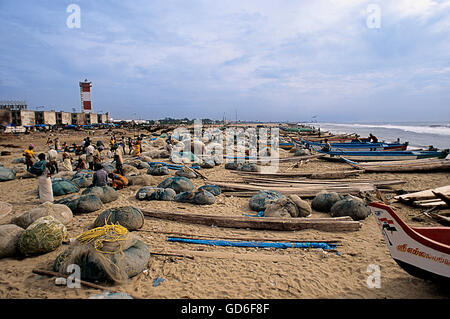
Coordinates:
423 252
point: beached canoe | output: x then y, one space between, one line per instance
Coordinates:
418 165
368 156
358 146
423 252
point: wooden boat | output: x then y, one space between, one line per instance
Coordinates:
268 223
418 165
331 138
358 146
423 252
367 156
286 146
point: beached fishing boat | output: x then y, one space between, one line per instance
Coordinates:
361 146
331 138
423 252
286 146
418 165
366 156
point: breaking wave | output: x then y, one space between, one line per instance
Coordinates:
424 129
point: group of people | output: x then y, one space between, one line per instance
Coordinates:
45 165
371 139
127 142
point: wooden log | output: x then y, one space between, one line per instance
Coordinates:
443 197
426 194
330 174
441 219
324 224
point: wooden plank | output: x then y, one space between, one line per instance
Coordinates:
426 194
324 224
302 174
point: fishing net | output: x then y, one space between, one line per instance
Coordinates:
258 201
350 206
155 193
106 194
9 237
107 252
6 174
128 216
178 183
325 200
185 172
62 186
42 236
213 189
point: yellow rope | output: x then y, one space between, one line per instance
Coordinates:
107 233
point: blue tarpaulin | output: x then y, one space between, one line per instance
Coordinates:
171 166
324 246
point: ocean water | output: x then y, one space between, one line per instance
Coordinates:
418 134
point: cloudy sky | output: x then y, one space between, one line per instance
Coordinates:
280 60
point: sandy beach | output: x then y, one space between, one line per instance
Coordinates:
206 272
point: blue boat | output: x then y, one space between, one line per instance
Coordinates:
367 156
360 146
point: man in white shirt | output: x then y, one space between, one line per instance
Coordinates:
52 154
118 159
90 156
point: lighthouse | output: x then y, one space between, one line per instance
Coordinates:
85 93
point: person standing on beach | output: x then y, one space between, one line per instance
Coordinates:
97 156
130 145
90 156
52 154
57 144
43 170
29 155
118 159
67 163
138 148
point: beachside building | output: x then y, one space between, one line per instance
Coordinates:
23 117
102 118
63 118
78 119
91 118
45 117
5 117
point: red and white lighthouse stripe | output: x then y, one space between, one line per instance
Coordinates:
85 92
